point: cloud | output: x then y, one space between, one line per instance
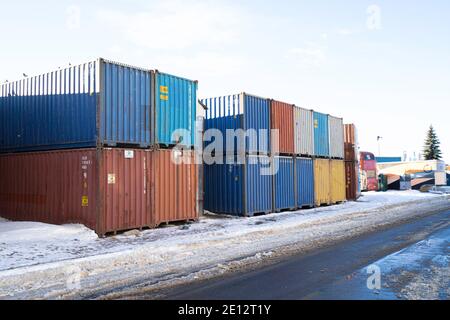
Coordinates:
176 24
311 55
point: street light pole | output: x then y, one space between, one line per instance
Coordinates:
379 145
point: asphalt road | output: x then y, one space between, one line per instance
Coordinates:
340 271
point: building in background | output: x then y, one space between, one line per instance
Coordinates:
418 173
388 159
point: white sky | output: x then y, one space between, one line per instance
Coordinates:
384 67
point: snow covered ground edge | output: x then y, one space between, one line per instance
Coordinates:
235 238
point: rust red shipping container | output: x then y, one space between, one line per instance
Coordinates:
282 115
107 190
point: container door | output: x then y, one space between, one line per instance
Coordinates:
175 110
258 191
304 182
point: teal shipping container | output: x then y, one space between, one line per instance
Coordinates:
175 110
321 135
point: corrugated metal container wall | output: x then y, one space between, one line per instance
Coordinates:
351 153
350 143
283 183
281 115
224 187
124 200
303 131
104 189
258 185
337 181
336 132
322 183
50 111
351 178
321 135
238 189
175 109
350 134
125 105
244 112
174 185
62 109
304 172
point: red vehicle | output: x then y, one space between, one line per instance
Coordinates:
369 176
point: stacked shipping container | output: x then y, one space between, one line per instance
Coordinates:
56 130
353 191
108 190
236 186
241 182
306 154
282 152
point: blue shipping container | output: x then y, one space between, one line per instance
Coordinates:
388 159
241 111
88 105
321 138
175 110
304 173
283 183
240 189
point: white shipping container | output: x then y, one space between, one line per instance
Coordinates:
336 132
440 178
304 131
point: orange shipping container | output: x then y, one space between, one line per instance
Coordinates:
351 180
174 177
350 134
108 190
282 118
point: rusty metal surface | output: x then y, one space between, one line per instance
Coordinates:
282 119
351 180
106 190
174 186
125 192
52 187
350 134
351 153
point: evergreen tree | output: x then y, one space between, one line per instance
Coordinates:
432 150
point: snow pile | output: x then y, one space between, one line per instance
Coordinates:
36 264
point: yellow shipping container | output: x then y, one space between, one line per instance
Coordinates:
337 181
322 181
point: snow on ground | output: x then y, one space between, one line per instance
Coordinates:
35 258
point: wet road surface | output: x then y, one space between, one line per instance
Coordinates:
409 261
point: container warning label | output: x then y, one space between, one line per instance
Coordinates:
84 201
164 89
316 124
163 97
111 178
129 154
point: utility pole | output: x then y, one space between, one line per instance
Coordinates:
379 145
